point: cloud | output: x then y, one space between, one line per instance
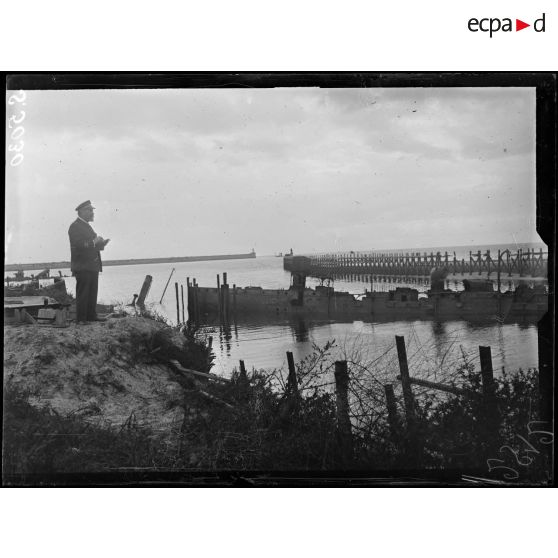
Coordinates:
304 167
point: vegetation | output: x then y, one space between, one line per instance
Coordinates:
261 421
39 443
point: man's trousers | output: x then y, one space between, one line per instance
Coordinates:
87 283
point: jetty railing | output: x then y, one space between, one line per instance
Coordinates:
523 263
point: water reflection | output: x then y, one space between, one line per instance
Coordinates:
382 283
225 336
300 330
440 338
263 343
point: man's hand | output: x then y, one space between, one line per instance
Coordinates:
99 240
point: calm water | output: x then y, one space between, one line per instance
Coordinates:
263 345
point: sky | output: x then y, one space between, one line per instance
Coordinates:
186 172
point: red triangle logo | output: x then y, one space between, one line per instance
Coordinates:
519 25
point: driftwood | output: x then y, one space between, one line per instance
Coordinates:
207 395
206 375
215 399
438 386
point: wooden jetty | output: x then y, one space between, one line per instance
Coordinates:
522 263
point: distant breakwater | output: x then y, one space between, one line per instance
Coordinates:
106 263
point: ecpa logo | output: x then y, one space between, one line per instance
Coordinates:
492 25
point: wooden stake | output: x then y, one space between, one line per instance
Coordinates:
226 302
189 304
344 433
243 375
498 272
487 374
405 380
177 304
197 301
292 382
489 393
144 290
163 295
219 297
182 296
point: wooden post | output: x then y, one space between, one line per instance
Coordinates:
195 302
177 304
225 288
488 390
228 301
219 304
498 272
343 420
223 306
392 409
163 295
243 375
189 303
182 296
292 382
487 373
405 380
234 302
210 342
144 291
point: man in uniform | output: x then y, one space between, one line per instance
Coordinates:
86 246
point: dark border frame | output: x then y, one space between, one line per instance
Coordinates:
546 135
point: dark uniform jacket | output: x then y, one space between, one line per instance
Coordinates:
85 256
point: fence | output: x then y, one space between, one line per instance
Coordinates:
406 432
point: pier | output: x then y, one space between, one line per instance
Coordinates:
522 263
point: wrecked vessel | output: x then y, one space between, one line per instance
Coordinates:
478 300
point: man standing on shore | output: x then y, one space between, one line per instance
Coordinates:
86 246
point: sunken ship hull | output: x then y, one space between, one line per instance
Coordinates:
206 304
